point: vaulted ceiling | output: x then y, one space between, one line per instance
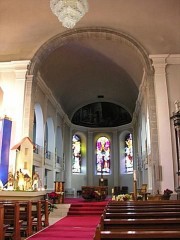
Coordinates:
100 55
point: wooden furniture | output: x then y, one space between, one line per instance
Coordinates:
145 203
139 224
94 193
40 212
59 189
26 217
2 226
23 218
12 218
144 234
140 220
36 212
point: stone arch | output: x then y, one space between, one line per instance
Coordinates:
59 142
82 33
39 130
50 135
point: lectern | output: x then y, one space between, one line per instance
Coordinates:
59 189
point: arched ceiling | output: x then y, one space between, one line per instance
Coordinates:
84 69
80 69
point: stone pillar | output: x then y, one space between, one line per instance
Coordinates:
28 115
176 121
116 167
90 160
163 122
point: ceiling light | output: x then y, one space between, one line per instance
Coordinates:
69 12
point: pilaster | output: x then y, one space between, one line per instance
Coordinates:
163 122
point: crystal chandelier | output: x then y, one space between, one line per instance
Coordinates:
69 12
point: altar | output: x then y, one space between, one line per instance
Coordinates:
94 192
22 195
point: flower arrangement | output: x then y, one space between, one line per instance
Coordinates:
167 192
53 195
166 195
123 197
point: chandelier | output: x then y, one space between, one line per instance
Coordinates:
69 12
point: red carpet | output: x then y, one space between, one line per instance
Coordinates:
82 207
70 228
80 224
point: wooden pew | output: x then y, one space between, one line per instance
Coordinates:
12 218
126 235
119 206
3 227
142 215
142 209
144 203
26 216
134 220
25 208
36 213
140 224
40 211
45 211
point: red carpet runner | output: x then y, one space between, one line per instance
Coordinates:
87 208
80 224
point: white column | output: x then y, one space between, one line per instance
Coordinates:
163 121
12 79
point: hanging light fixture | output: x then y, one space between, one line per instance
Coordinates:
69 12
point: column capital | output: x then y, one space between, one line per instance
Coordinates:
159 58
159 62
165 58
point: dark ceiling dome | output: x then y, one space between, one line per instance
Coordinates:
101 114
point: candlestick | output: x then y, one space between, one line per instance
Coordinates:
135 175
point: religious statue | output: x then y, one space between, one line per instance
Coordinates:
10 183
20 180
36 182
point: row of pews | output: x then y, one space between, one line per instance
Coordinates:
140 220
19 219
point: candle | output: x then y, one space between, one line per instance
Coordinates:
112 190
135 175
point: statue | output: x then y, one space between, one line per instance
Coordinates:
36 182
20 180
10 183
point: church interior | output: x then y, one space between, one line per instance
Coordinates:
89 119
90 105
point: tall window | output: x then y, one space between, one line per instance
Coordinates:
103 155
128 153
76 154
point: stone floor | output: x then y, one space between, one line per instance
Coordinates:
58 213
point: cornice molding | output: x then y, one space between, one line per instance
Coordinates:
14 66
160 59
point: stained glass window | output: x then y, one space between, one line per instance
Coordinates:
76 154
128 154
103 155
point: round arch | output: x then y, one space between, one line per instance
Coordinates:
38 134
84 33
